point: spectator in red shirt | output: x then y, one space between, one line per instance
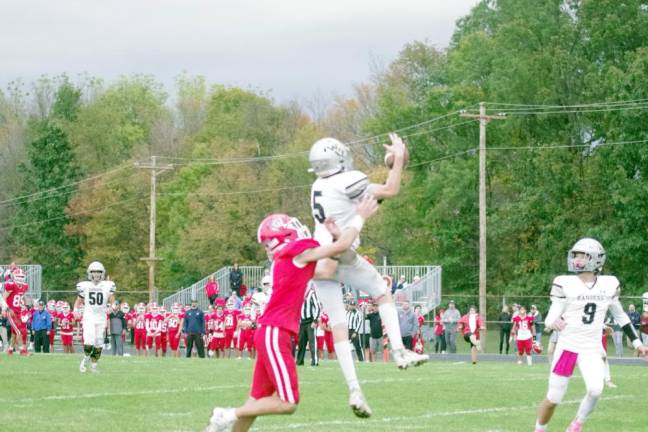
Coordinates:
439 333
643 327
470 325
211 290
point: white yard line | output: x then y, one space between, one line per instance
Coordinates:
427 416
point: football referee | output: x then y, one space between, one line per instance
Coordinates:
310 315
354 323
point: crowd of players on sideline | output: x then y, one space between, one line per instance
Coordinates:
229 325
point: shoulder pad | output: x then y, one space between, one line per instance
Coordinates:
610 282
355 184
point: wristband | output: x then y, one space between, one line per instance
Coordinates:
357 222
636 343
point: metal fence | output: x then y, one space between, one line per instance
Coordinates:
426 291
33 277
251 278
423 283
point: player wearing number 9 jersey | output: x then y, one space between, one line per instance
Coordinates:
579 304
94 295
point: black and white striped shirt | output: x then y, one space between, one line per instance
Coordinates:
354 320
310 309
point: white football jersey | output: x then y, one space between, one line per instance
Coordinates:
585 308
337 196
96 298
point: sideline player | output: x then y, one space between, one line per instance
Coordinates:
294 255
12 300
94 295
333 194
524 333
579 304
470 325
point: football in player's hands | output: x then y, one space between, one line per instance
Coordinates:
389 159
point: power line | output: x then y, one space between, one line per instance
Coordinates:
525 111
237 192
634 101
81 213
54 194
64 186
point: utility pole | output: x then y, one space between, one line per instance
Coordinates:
483 121
151 259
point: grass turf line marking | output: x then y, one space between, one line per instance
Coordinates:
430 415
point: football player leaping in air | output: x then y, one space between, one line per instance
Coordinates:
294 255
334 194
579 304
94 295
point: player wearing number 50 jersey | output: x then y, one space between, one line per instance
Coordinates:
579 304
94 295
334 194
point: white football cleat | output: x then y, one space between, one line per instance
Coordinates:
610 384
84 365
405 358
93 368
358 404
222 420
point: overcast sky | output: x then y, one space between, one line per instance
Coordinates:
292 48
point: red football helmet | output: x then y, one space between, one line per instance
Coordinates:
279 229
537 348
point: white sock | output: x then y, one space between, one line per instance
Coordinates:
230 414
529 360
345 359
389 318
586 407
539 427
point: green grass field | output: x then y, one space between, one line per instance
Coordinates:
46 393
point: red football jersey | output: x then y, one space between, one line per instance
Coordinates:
140 322
288 286
523 327
153 322
66 321
231 319
464 324
219 325
173 322
15 297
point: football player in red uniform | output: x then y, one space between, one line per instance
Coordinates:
51 308
152 323
470 325
294 254
246 327
15 288
524 331
139 323
325 338
66 323
231 322
173 329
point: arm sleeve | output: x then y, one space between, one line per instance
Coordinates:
79 290
558 304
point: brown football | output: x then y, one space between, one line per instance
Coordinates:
389 159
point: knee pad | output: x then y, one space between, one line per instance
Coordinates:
595 392
330 294
557 388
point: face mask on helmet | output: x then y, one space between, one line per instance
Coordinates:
587 255
19 277
329 156
65 308
96 272
125 308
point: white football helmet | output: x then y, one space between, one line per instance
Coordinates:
329 156
96 272
594 251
